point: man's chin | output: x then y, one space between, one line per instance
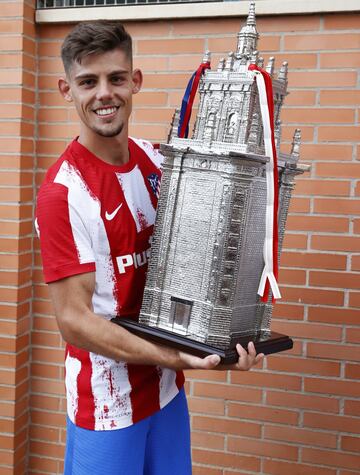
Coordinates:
109 133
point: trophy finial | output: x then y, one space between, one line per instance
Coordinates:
254 57
207 57
260 62
229 61
221 64
251 19
270 65
248 35
295 146
283 73
173 132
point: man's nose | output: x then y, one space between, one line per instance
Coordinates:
104 91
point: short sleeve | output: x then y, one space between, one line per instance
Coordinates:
64 239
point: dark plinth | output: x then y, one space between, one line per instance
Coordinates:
271 343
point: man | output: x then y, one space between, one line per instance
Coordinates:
127 411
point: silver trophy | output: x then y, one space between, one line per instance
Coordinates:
201 292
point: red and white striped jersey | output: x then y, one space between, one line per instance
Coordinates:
95 217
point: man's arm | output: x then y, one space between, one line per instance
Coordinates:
81 327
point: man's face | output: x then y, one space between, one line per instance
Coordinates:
101 88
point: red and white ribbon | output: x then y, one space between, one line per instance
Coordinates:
270 273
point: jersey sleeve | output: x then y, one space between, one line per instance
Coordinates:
64 240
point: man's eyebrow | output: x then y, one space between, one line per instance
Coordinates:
85 76
91 75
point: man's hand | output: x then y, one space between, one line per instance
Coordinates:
245 361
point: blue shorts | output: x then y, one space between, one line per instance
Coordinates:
157 445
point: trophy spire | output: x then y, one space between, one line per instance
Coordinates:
283 73
207 57
248 35
270 65
295 146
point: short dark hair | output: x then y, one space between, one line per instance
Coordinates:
94 37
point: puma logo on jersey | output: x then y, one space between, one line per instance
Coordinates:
110 216
134 259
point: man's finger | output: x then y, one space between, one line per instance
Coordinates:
194 362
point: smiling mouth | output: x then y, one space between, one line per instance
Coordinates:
105 111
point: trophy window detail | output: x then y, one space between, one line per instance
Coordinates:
180 312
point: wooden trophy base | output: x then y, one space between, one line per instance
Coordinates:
271 343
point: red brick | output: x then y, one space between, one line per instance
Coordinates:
147 63
42 463
287 399
170 46
263 380
309 330
353 335
333 351
148 28
352 371
354 299
295 241
333 423
227 392
318 223
342 21
211 441
262 448
226 460
352 408
338 97
322 79
351 444
299 97
226 426
339 60
338 134
198 470
300 436
313 260
302 365
333 315
334 279
299 205
277 467
326 152
322 42
292 276
318 115
192 27
206 406
331 458
322 188
285 310
335 243
337 206
260 413
150 99
312 296
333 386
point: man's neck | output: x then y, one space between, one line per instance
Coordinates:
112 150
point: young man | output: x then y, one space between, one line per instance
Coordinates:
127 411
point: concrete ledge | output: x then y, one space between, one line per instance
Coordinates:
195 10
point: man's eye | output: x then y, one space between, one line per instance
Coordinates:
117 79
87 82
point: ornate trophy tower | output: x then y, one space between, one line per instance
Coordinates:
207 251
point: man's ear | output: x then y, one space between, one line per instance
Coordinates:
65 90
137 78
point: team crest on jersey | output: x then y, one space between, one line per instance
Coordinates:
154 181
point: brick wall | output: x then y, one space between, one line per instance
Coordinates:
300 413
17 130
